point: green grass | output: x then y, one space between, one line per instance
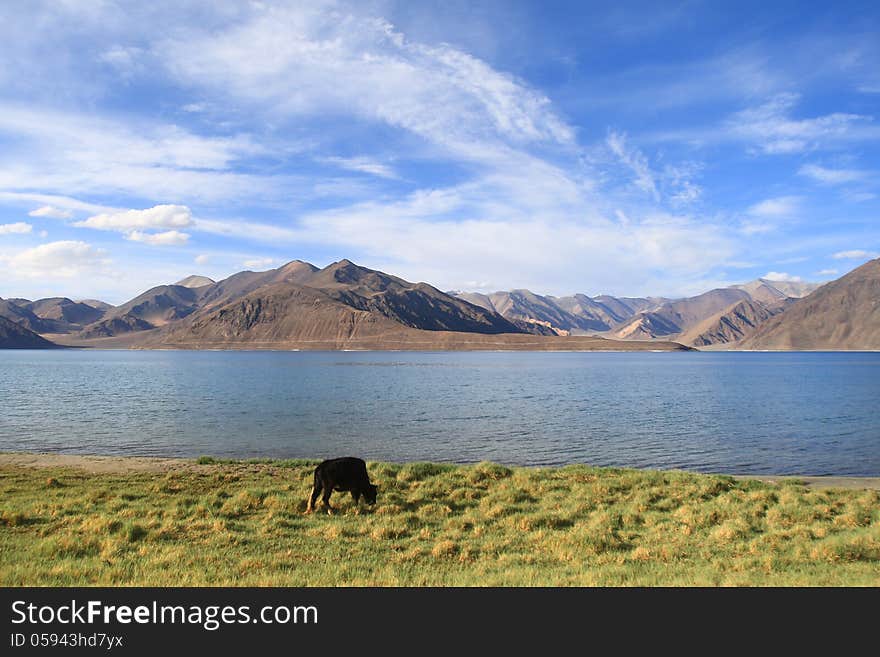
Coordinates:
242 523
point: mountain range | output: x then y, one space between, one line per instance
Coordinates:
296 306
720 316
346 306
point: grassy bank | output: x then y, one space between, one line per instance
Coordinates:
242 523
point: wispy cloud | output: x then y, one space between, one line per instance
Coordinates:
61 151
772 129
362 165
306 61
56 206
64 259
51 211
159 216
18 228
166 238
828 176
782 276
636 161
259 263
781 206
768 215
855 254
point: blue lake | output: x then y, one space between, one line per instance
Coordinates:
750 413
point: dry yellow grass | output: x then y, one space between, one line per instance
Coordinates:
243 523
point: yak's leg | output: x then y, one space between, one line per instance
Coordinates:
326 500
316 490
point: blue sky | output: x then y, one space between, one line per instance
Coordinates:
633 149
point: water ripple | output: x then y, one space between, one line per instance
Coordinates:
803 414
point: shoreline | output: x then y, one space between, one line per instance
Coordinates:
97 464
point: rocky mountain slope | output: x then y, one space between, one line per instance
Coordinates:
842 314
733 324
15 336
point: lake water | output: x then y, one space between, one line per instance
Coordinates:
750 413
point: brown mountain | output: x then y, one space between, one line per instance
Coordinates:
842 314
160 305
527 310
676 317
286 316
70 314
95 303
114 326
768 291
50 316
343 306
417 305
243 283
734 323
18 311
572 314
602 311
299 306
709 318
195 281
15 336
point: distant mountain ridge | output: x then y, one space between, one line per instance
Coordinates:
52 315
347 306
717 313
300 306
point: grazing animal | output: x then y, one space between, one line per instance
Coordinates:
346 473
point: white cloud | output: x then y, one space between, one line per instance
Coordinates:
414 239
248 230
62 203
634 159
90 140
362 165
159 216
832 176
17 228
306 60
202 259
769 215
56 152
167 238
65 259
749 228
827 272
855 254
859 197
125 59
51 211
782 206
771 127
782 276
259 263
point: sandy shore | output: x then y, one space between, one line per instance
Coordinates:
99 464
130 464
